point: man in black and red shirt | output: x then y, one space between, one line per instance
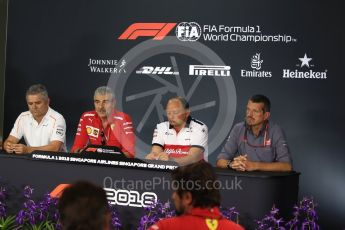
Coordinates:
105 125
196 201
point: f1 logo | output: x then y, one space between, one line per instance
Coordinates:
56 193
156 30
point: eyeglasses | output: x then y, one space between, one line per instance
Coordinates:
266 139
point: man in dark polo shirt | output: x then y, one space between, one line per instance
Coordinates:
256 143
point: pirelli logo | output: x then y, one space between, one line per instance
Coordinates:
156 30
209 70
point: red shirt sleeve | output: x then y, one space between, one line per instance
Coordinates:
81 138
128 136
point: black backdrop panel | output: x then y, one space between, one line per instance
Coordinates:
52 42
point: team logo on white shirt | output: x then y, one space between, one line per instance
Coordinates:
176 151
60 130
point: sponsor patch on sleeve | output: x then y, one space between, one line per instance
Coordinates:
60 131
92 131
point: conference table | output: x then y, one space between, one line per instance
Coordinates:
131 184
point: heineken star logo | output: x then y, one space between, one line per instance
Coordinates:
305 61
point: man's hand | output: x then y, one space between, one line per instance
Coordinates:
241 158
158 156
250 165
163 156
243 163
238 163
20 149
152 156
156 153
8 146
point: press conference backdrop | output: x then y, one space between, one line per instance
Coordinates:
214 53
3 16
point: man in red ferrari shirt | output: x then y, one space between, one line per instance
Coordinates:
196 201
105 125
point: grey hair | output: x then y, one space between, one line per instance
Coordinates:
38 89
103 90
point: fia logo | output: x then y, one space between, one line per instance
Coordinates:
188 31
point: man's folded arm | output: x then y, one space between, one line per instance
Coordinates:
53 146
195 154
272 166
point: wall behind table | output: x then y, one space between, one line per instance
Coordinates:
3 19
52 42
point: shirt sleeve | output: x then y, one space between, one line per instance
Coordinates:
81 138
59 130
230 148
18 128
158 136
281 147
128 136
199 137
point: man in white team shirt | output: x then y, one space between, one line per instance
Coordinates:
182 138
42 127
